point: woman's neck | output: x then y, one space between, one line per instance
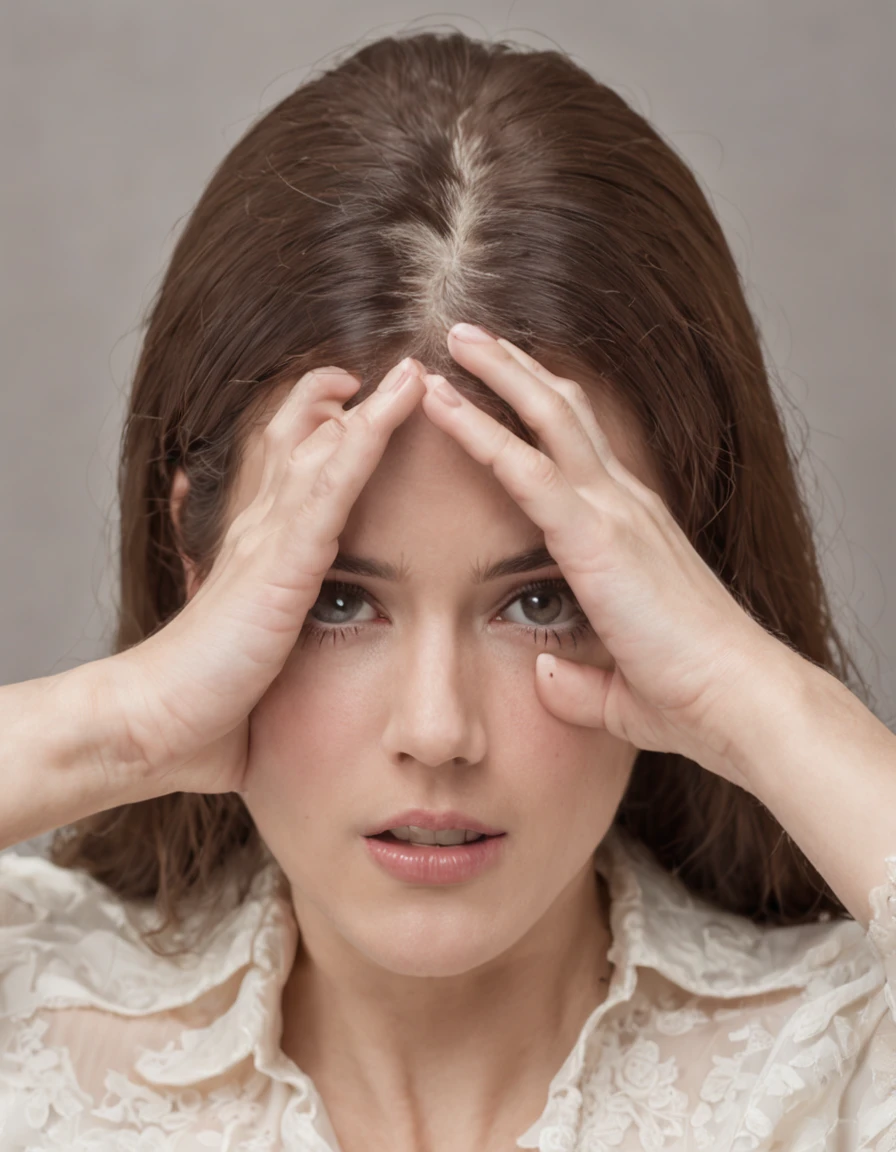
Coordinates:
446 1062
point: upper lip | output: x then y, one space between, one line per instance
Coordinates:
434 821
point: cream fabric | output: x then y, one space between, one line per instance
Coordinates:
716 1033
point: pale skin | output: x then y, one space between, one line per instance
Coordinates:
471 997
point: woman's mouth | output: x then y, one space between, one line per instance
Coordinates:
434 863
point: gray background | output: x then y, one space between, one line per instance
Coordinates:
115 112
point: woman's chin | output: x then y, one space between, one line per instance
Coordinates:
432 952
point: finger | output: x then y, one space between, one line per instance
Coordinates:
315 386
578 400
576 693
544 409
317 397
572 392
277 501
533 479
291 423
329 497
392 377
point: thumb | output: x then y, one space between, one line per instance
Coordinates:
576 693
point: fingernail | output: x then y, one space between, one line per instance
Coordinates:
403 373
443 390
472 333
335 375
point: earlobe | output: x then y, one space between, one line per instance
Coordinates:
179 488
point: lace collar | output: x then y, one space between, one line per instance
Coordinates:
655 923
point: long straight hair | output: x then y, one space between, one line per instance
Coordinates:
427 179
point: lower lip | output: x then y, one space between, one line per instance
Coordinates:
425 864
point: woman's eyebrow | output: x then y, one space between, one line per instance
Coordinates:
527 561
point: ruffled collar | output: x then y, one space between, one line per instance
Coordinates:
655 921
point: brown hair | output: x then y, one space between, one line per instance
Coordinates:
427 179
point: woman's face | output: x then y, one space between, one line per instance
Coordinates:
421 692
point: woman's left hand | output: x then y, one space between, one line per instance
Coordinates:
682 651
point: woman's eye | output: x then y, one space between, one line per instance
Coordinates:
541 606
337 603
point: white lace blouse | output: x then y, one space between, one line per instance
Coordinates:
716 1033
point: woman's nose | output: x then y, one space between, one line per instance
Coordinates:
435 704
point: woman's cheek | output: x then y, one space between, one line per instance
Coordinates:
316 719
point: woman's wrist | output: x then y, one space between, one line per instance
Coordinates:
64 753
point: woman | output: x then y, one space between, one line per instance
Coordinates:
476 765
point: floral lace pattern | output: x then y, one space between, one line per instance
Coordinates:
715 1034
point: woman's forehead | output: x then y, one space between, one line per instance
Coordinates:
614 417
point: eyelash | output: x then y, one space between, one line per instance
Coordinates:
567 634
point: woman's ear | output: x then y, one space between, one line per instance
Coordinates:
179 489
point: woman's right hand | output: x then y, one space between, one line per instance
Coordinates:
183 695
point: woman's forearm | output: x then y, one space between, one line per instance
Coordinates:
825 766
60 752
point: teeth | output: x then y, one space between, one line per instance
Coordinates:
449 836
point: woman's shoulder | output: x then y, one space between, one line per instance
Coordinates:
42 901
741 1034
104 1042
68 940
660 923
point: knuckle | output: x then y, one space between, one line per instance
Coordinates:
323 485
336 428
541 469
274 436
559 402
548 408
502 442
312 381
318 379
571 391
332 430
628 527
363 422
